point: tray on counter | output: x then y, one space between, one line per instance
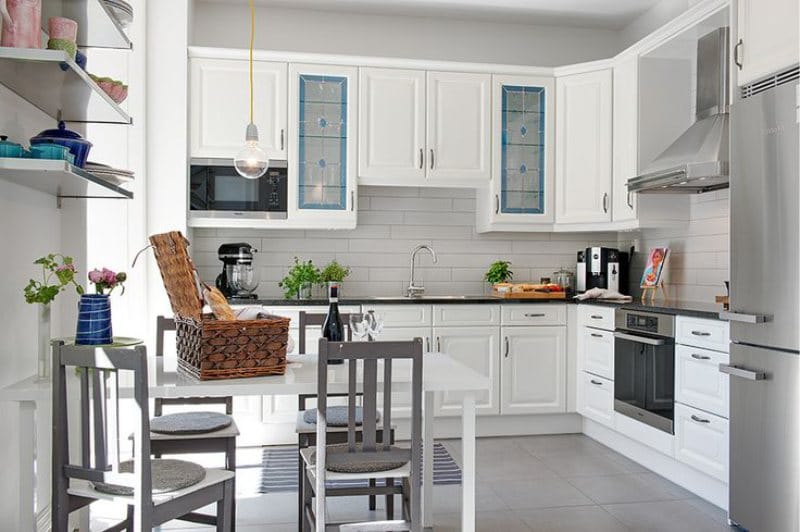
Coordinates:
526 291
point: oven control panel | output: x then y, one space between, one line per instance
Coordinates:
645 322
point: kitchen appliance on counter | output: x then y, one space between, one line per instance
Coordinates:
238 279
580 272
764 369
644 367
604 268
218 192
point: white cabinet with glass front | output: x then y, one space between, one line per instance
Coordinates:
520 193
322 144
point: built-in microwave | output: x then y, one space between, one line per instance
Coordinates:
217 191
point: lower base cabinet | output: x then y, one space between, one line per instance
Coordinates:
533 370
596 398
701 441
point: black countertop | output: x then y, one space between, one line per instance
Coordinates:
696 309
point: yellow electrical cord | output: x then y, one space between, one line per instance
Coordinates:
252 36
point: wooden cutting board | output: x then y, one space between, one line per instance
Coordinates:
530 294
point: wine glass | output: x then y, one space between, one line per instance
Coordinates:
360 324
375 325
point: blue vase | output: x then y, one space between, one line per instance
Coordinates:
94 320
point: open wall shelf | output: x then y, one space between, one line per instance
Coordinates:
97 26
60 179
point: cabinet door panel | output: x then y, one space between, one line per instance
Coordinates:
769 34
596 398
583 147
533 370
698 381
220 106
458 128
478 348
597 354
626 134
391 126
401 401
701 441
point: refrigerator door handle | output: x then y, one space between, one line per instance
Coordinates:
735 371
743 317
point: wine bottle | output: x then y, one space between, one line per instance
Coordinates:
332 329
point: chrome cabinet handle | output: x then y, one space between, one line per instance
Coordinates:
352 200
282 143
596 317
605 202
535 315
497 204
701 333
428 344
742 373
744 318
736 59
421 158
432 159
438 344
639 339
700 420
630 203
596 335
700 357
596 382
507 348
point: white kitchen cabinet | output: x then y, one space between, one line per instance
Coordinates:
391 126
408 315
596 398
401 401
458 129
583 147
479 349
625 137
534 314
480 315
597 316
767 37
699 332
698 381
701 441
323 133
596 352
533 366
219 106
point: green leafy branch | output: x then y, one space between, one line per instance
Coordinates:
58 272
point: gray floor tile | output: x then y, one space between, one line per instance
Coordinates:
539 493
514 464
560 443
490 521
573 519
666 516
635 487
447 499
568 464
712 510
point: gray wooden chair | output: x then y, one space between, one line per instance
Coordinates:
186 436
307 430
373 457
155 491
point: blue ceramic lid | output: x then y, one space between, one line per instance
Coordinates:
61 133
5 142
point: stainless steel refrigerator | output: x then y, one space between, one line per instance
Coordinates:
765 272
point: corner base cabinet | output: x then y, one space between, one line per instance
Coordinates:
322 143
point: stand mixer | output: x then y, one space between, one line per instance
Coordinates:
238 279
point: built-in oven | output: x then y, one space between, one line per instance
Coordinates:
217 191
644 367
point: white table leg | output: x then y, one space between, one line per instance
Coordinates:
27 444
427 460
468 463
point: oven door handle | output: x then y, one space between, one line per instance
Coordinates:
639 339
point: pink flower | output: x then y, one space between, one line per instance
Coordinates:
96 276
63 267
109 277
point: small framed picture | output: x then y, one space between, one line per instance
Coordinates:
655 266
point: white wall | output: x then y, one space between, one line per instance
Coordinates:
227 25
652 19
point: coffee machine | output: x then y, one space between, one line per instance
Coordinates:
604 268
580 272
238 279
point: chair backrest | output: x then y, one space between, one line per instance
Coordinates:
98 375
369 354
306 319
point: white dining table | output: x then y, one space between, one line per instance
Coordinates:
441 373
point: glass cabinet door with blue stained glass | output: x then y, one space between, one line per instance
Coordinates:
523 155
322 158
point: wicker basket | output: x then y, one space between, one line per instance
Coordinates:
209 348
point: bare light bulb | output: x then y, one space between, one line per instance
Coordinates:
251 162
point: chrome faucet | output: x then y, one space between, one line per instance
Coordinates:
414 290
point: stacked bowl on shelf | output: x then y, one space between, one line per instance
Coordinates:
121 10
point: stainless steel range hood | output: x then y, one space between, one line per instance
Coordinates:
698 160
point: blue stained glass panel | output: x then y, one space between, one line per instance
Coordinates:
522 150
322 146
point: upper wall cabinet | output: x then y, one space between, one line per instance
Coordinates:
520 194
768 41
625 138
322 133
583 147
220 106
421 128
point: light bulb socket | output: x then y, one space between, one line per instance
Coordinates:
252 133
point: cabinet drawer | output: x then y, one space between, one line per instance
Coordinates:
410 315
711 334
701 441
698 381
534 314
466 315
598 316
596 398
597 352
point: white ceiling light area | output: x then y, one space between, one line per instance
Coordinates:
600 14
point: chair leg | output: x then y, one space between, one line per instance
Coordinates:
300 487
390 500
225 508
308 499
372 498
230 463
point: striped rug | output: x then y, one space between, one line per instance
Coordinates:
279 470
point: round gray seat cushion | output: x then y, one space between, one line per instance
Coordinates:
190 423
168 475
361 463
337 416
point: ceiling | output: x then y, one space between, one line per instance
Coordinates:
601 14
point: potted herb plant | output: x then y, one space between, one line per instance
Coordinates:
334 272
299 280
499 272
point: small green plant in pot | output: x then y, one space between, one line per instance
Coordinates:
499 272
333 272
299 280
